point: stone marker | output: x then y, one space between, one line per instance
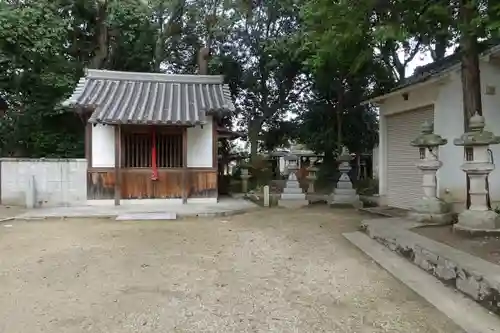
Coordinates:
477 166
430 209
30 193
344 194
266 196
292 196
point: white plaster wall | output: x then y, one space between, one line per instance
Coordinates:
58 182
375 164
103 146
417 98
199 146
382 155
490 76
448 122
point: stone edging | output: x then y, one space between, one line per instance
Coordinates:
111 216
41 160
473 276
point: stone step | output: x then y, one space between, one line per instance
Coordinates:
146 216
292 190
293 196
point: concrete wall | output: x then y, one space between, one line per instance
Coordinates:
58 182
103 146
199 146
446 95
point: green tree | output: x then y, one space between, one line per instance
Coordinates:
269 70
44 46
345 70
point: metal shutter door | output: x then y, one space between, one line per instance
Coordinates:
404 180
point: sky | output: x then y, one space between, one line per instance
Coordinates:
422 58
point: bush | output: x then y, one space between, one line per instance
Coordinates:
367 186
261 172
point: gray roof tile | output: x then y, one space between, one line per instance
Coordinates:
150 98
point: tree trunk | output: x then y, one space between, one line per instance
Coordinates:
339 113
253 137
471 76
101 52
439 51
160 40
471 82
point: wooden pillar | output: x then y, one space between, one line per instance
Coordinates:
88 144
185 183
215 161
118 180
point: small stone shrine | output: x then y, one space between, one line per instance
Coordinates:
430 209
478 165
292 196
344 194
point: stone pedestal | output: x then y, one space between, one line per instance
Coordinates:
292 196
477 166
430 209
344 194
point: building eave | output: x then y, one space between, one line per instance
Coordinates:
150 98
432 78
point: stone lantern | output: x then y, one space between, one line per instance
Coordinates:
477 166
292 196
344 193
311 176
244 178
291 164
430 209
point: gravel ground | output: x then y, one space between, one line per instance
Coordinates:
271 270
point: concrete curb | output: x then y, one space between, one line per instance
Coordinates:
463 311
113 216
473 276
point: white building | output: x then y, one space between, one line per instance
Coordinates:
433 93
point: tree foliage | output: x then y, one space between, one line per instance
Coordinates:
313 61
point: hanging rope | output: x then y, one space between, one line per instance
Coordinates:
154 168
